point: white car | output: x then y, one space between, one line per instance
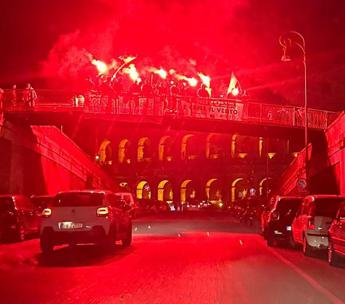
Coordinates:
85 216
312 221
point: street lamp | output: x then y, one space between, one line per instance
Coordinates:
287 41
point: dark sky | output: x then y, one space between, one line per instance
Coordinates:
48 39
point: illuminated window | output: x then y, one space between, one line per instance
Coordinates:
123 151
144 147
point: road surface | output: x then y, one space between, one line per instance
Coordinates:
173 259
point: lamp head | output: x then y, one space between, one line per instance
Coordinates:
285 57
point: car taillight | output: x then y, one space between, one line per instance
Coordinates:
311 224
274 216
102 211
47 212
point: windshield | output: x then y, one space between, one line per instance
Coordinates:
288 206
327 207
6 205
78 199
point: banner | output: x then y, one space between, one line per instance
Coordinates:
212 109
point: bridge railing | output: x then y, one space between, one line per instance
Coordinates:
179 106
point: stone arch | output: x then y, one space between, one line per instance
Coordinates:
246 146
239 188
123 151
264 185
187 190
144 150
105 153
215 148
165 191
187 149
213 190
143 190
165 148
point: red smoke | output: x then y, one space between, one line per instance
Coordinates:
164 33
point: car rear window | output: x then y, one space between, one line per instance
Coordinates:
77 199
327 207
6 204
288 206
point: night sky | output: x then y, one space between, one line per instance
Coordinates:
46 40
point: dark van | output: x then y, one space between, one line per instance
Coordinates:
18 217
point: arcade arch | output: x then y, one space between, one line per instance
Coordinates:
239 189
143 190
105 153
123 151
165 148
144 149
165 191
187 190
213 190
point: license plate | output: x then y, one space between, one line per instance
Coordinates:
69 225
288 228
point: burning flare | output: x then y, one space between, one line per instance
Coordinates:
161 72
132 72
206 80
101 66
191 80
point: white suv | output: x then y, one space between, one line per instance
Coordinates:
312 221
85 216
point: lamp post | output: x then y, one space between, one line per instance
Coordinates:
287 41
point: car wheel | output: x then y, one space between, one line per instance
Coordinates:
333 257
20 233
46 246
307 250
127 241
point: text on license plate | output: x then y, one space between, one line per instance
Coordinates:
69 225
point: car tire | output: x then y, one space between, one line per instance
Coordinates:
307 250
20 233
46 246
332 257
127 241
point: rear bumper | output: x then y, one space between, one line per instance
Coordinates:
317 241
279 232
94 235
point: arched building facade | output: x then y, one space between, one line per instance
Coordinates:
178 165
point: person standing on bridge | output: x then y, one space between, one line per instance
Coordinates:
29 96
14 96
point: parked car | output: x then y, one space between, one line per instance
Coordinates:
42 201
265 213
277 227
85 216
312 221
131 205
336 238
18 217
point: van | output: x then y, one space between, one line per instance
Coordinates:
312 221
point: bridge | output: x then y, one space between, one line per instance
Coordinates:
179 112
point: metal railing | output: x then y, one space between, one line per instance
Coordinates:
179 106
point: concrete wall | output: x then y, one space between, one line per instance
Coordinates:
326 166
43 160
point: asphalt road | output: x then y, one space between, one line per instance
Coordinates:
191 259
